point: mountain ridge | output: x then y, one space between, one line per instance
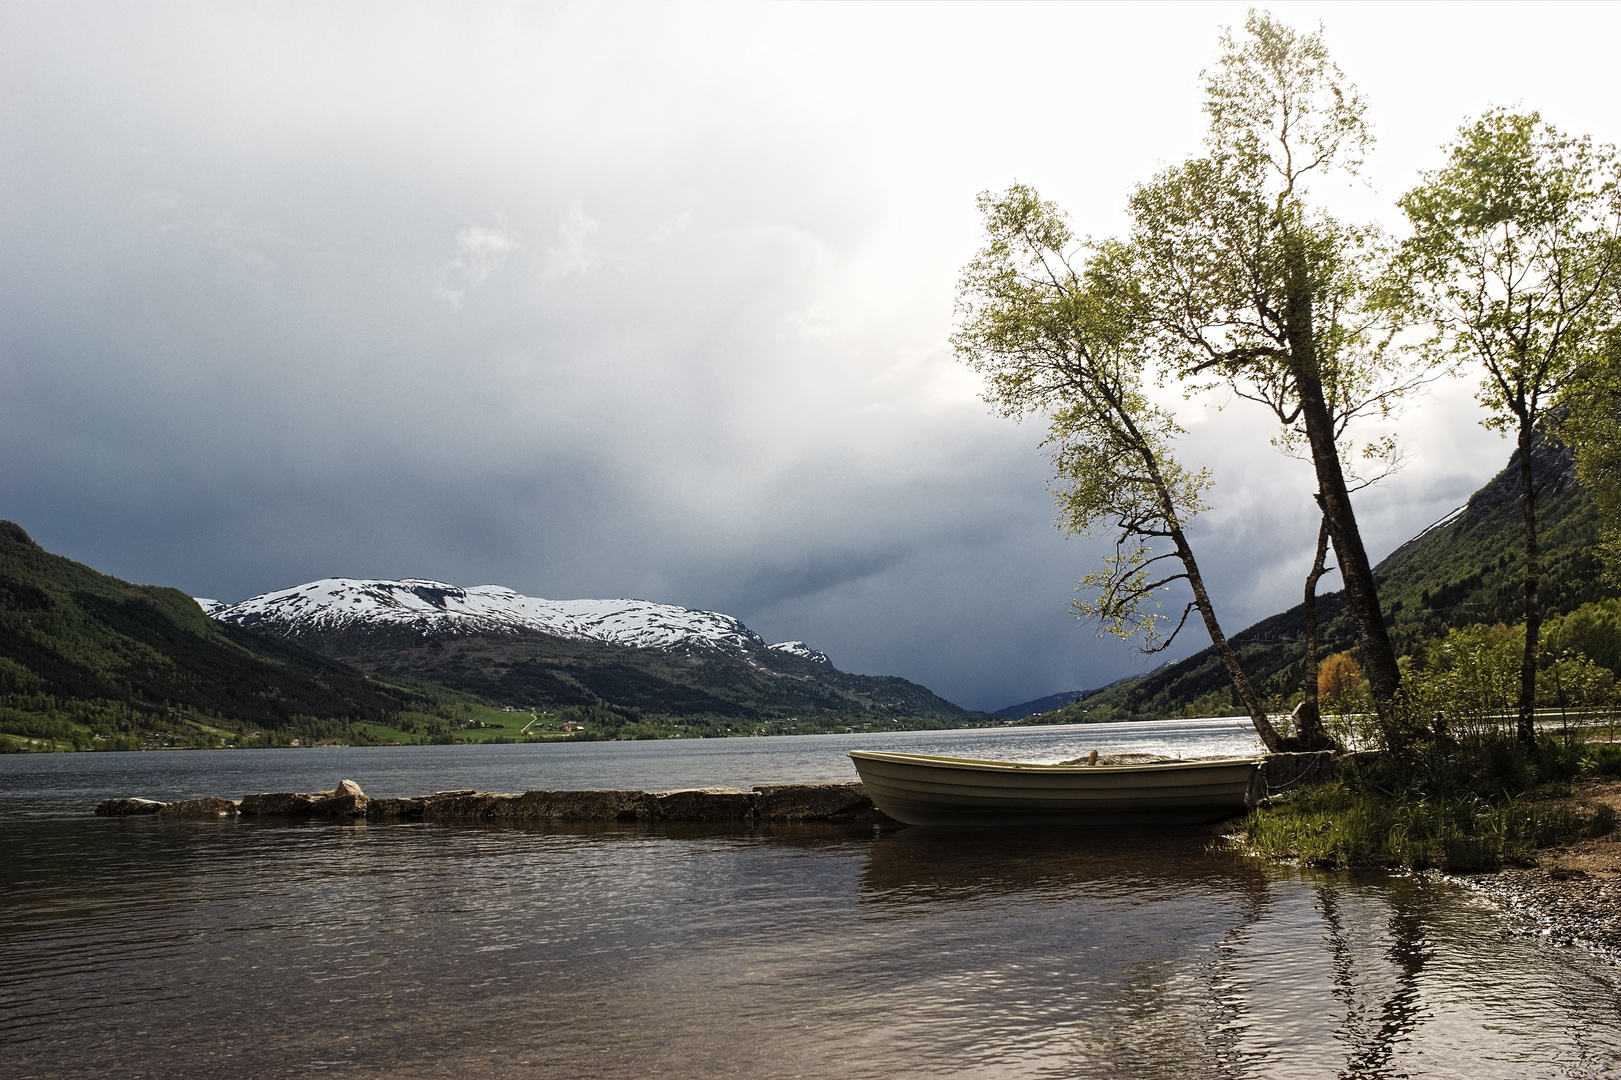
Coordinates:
1037 705
91 661
84 650
435 607
530 653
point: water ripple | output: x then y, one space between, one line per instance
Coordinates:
150 947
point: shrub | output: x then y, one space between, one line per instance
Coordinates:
1464 805
1338 675
1603 759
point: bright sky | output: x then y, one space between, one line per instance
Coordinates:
646 300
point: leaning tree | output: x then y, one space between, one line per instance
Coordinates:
1253 284
1365 378
1074 343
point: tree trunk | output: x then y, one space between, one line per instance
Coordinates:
1309 716
1361 594
1224 650
1533 602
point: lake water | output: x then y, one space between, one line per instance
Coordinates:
142 947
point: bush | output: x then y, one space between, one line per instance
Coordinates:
1603 759
1493 766
1339 675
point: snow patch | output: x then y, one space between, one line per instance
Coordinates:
799 648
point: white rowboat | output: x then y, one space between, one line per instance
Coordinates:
925 789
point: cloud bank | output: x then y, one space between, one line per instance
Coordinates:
651 301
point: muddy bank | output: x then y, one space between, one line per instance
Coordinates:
829 801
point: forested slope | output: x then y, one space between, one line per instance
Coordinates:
1468 569
533 670
80 646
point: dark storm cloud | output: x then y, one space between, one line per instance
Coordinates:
599 301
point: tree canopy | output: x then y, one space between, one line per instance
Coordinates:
1071 342
1511 265
1254 285
1232 276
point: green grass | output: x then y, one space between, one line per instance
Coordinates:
1336 826
1462 805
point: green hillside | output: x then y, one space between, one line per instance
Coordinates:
93 662
1465 571
89 659
537 671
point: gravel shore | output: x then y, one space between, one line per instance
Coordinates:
1573 895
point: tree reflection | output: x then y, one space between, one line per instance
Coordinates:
1374 1034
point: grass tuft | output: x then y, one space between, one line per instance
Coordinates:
1464 809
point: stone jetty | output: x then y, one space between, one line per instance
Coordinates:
829 801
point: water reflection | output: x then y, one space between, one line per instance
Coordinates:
927 863
208 949
1372 1035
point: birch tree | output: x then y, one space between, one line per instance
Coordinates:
1073 343
1364 379
1251 283
1511 262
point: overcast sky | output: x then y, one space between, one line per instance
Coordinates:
652 301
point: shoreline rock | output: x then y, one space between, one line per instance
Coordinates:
202 808
771 803
127 807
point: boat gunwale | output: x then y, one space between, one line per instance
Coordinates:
939 761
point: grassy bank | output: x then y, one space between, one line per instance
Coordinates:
67 728
1461 807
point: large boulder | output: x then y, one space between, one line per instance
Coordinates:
810 802
126 807
344 801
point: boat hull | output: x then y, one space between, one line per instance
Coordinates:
922 789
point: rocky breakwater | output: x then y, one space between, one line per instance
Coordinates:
787 803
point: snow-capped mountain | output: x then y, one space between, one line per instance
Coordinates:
434 607
800 649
